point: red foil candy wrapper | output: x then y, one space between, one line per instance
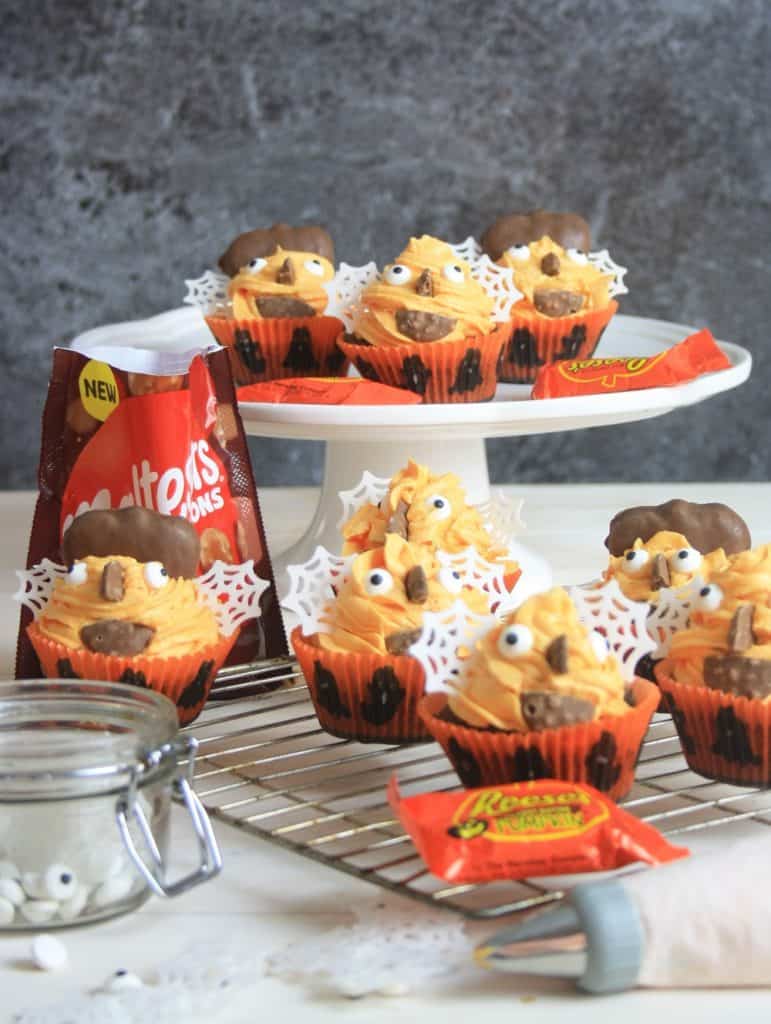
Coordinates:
526 830
697 354
327 391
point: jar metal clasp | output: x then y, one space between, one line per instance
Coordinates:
152 866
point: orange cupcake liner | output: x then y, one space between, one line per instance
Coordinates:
602 753
372 698
724 737
186 680
273 349
533 340
439 371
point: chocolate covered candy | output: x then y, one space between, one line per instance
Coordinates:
707 526
422 326
744 677
568 229
275 306
263 242
116 636
557 301
551 710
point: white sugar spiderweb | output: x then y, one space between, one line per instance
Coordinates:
601 259
370 490
620 620
345 288
502 517
497 281
207 291
313 585
479 574
35 584
445 640
670 613
233 593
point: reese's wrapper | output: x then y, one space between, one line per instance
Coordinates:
697 354
526 830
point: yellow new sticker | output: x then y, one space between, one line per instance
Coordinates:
98 389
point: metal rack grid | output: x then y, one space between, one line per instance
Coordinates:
265 766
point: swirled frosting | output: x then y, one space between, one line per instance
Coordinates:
635 574
447 290
575 274
493 683
175 611
267 278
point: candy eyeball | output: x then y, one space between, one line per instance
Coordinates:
156 575
710 598
398 274
453 272
519 252
314 267
255 265
121 980
600 645
439 506
77 574
514 641
634 560
577 256
378 581
685 560
451 580
59 882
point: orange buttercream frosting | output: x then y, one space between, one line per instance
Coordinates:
268 277
173 608
427 277
745 581
634 572
373 603
575 274
495 677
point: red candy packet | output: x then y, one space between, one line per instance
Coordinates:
327 391
526 830
697 354
160 430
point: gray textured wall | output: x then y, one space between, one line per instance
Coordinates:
138 137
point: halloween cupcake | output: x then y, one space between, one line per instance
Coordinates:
717 675
129 608
541 696
354 655
428 325
567 292
274 325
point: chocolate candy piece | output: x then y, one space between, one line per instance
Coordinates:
744 677
136 533
78 420
399 643
215 547
423 326
557 654
225 426
274 306
557 301
551 710
116 636
567 229
550 264
285 273
425 283
152 384
707 527
416 585
397 523
264 242
660 576
111 584
740 634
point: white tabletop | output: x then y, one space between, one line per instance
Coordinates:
267 897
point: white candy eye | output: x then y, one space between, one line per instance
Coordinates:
378 581
453 273
685 560
156 575
710 598
314 267
519 252
634 560
600 645
398 274
515 641
451 580
77 574
439 506
255 266
121 980
577 256
59 882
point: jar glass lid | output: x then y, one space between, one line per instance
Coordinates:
64 738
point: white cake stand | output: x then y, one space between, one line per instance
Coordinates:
444 437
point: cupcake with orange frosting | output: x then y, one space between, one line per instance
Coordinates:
717 675
540 695
567 292
427 324
274 326
362 680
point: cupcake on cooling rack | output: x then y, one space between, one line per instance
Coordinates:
272 316
567 291
427 324
717 675
541 694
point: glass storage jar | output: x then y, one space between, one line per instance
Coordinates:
87 775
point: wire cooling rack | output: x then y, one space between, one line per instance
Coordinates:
265 766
